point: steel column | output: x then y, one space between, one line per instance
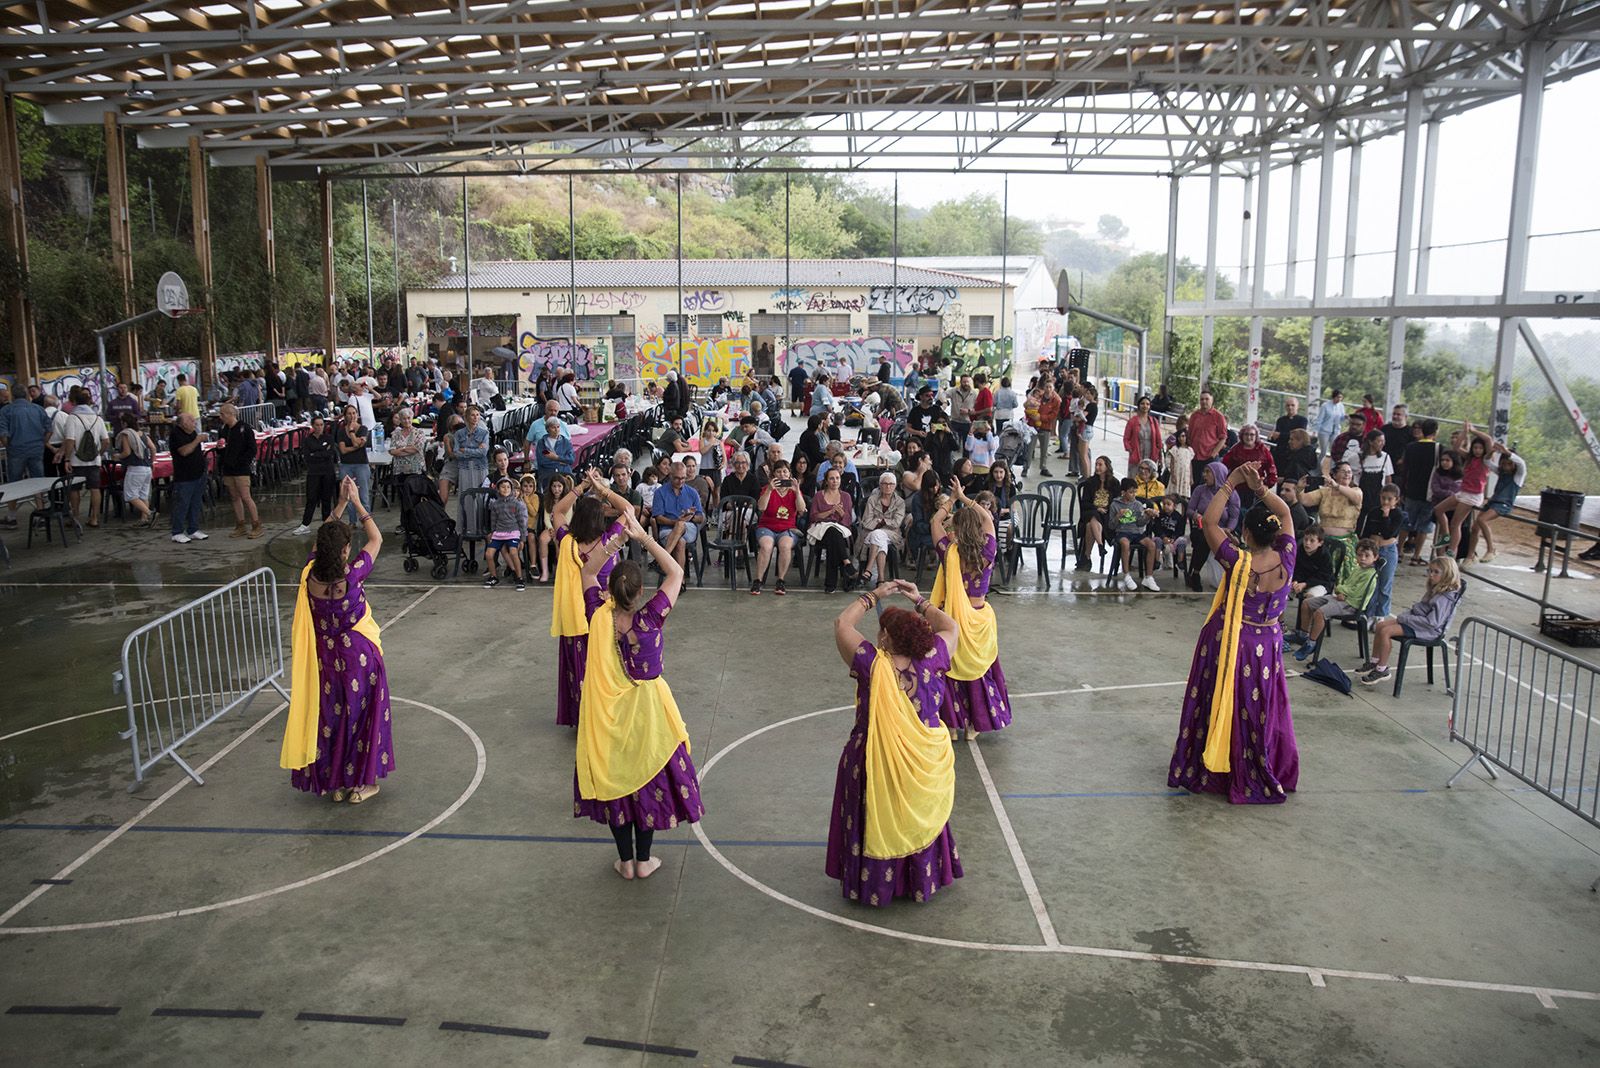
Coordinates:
330 324
678 182
1351 211
894 277
1005 246
121 238
1529 117
269 254
1258 289
572 263
1319 267
1404 229
1293 251
366 255
1208 324
466 273
24 338
394 233
788 298
200 202
1558 384
1244 230
1430 181
1172 279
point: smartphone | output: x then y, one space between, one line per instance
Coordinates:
1314 482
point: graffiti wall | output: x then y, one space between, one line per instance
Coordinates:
818 300
59 382
561 354
589 302
166 372
971 355
704 360
864 354
910 300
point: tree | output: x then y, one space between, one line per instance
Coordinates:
1112 229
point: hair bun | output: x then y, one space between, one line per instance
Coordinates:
1273 521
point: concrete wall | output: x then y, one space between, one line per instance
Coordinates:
707 356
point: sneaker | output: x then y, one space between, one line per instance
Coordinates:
181 539
1290 645
239 531
1487 558
256 532
779 588
1193 582
1149 583
1294 637
1375 676
1305 651
1366 666
199 535
301 531
490 582
1128 583
755 588
1044 471
521 585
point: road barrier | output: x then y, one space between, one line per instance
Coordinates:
197 663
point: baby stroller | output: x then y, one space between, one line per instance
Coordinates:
1013 447
428 530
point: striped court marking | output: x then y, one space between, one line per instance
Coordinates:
1316 975
339 1017
64 719
1041 914
493 1029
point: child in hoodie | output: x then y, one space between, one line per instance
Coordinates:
1427 620
1212 476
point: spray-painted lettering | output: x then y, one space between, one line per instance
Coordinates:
864 354
708 300
603 300
970 355
704 360
910 300
559 354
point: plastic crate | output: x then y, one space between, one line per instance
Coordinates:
1570 629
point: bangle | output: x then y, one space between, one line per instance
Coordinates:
868 600
922 605
364 516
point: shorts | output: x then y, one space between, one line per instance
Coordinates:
879 540
450 472
1419 515
1312 593
1132 537
1497 507
505 541
1407 633
1330 608
91 476
793 534
691 532
1474 499
136 484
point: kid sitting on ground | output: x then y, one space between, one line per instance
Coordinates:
1349 600
1167 527
1313 568
1427 620
1128 518
508 525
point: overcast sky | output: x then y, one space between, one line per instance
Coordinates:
1474 188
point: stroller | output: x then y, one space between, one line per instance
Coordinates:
1015 437
428 530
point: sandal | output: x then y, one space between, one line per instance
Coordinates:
338 795
361 793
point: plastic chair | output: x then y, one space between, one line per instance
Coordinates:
474 512
56 512
1030 516
729 534
1063 515
1441 643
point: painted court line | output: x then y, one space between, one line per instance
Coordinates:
210 1014
339 1017
1316 975
1029 887
493 1029
640 1047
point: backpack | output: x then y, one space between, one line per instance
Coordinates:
88 450
1330 675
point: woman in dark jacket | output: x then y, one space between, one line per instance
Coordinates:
1296 457
321 460
1095 495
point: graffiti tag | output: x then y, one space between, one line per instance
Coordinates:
910 300
606 300
864 354
969 355
704 300
704 360
558 354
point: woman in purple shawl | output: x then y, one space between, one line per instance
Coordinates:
1212 476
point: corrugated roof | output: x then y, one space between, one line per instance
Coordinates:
653 274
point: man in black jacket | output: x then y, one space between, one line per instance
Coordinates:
322 478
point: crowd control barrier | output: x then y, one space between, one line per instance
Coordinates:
197 663
1528 709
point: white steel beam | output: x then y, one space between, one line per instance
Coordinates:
1208 324
1404 228
1529 117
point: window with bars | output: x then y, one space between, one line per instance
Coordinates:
692 325
586 326
980 326
905 325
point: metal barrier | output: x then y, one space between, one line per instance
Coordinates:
1528 708
253 415
197 663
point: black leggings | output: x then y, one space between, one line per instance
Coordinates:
1199 551
633 841
319 490
837 551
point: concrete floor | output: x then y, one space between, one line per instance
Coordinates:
1376 918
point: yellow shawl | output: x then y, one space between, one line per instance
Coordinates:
567 618
300 742
1230 602
979 644
627 730
911 771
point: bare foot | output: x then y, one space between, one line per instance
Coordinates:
645 868
624 868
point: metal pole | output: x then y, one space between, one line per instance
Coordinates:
572 265
1258 290
1558 384
1352 204
1404 229
366 253
1208 324
1319 266
1293 251
1005 248
1244 230
1430 178
394 228
1172 279
466 257
1529 118
894 275
679 185
788 295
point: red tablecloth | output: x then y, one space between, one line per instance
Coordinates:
161 466
583 437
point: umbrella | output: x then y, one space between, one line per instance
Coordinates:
505 354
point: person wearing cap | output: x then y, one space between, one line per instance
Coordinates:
508 527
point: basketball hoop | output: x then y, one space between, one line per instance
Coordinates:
172 296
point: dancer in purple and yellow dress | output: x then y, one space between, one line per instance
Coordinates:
979 701
1236 733
580 529
338 739
633 769
889 834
